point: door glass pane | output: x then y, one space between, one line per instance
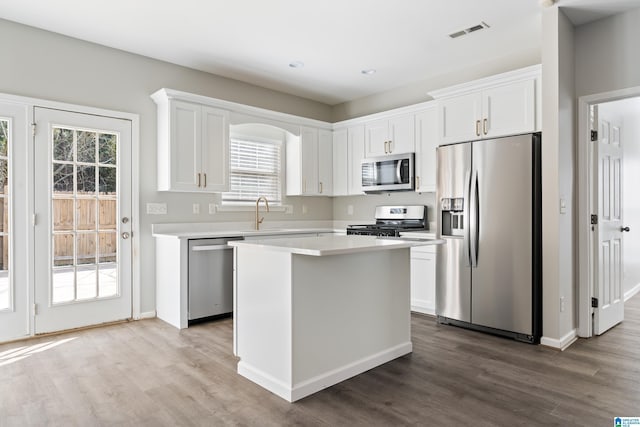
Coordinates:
5 290
85 210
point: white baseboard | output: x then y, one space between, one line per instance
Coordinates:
327 379
146 315
631 292
423 306
560 344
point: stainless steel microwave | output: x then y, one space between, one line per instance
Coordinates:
388 173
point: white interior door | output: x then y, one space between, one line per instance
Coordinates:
14 259
608 277
82 204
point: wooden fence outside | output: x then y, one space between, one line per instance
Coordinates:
88 236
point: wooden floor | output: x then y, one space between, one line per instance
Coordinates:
148 373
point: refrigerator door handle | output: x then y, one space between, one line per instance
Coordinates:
474 210
466 212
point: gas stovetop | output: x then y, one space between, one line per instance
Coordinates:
392 220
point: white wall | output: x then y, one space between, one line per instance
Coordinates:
558 158
628 113
46 65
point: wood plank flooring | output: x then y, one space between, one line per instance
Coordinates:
148 373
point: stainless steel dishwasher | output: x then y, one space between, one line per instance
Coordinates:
210 277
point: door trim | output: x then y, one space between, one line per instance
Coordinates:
31 103
585 175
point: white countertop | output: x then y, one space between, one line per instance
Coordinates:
333 245
419 234
208 230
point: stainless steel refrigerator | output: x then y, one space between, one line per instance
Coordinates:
488 274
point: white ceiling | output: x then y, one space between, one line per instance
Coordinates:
255 40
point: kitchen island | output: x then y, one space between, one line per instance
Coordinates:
311 312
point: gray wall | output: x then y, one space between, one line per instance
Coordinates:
558 98
606 54
417 92
45 65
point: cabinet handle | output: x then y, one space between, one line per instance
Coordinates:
390 150
417 182
484 126
385 148
320 188
304 185
477 127
198 179
205 181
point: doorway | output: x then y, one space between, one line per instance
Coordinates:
609 167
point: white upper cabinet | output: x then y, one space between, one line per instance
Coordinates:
309 166
506 104
193 148
426 143
394 135
355 145
340 163
325 162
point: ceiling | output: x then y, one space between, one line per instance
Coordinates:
255 40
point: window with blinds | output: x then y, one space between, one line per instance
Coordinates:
254 171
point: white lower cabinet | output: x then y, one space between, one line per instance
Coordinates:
423 279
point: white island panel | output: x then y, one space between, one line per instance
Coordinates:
304 323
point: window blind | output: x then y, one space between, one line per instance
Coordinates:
254 170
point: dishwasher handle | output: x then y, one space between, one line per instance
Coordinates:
211 248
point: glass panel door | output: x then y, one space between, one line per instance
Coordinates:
83 193
14 286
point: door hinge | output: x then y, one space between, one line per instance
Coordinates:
594 135
33 129
35 309
594 219
594 302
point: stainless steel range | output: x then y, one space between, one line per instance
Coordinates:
392 220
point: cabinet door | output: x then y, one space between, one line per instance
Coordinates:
340 163
309 160
215 150
325 163
509 109
355 137
460 118
401 134
423 281
426 143
186 145
377 137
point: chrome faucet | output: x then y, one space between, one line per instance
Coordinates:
258 219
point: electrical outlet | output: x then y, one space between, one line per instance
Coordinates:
212 208
156 208
196 208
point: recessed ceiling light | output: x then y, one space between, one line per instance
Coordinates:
368 72
296 64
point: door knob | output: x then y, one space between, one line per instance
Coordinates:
627 229
125 235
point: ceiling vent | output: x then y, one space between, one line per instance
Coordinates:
481 26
